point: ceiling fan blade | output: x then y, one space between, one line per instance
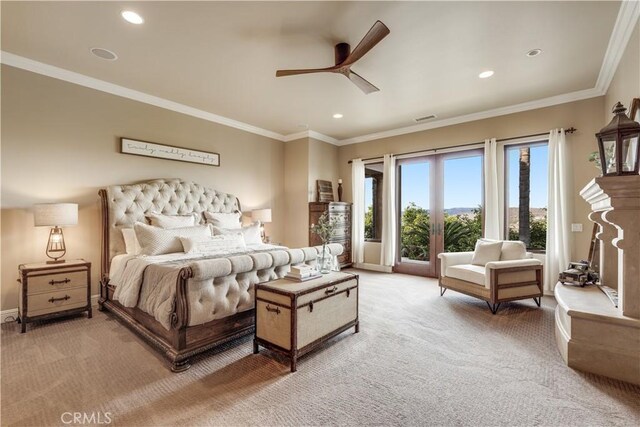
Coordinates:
372 38
283 73
364 85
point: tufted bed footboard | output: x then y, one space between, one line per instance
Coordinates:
213 301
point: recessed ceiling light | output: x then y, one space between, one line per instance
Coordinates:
337 116
104 54
485 74
131 16
534 52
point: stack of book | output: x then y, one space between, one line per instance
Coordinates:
301 273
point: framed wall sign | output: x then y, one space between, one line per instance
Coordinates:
168 152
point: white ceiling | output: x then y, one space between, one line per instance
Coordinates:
221 57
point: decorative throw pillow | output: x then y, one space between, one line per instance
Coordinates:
223 220
131 244
251 233
172 221
513 249
486 252
225 242
158 241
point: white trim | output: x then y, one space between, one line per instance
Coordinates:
103 86
625 24
373 267
310 134
525 106
13 312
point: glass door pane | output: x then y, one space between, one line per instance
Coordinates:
415 220
462 196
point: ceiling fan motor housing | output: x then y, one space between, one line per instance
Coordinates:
342 50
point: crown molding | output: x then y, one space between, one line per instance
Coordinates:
114 89
525 106
311 134
628 16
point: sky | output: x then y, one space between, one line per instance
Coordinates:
463 181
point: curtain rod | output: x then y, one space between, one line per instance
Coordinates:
570 130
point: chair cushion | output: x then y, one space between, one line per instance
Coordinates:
486 252
468 273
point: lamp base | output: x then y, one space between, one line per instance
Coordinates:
56 261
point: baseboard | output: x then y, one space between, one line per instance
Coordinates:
11 314
373 267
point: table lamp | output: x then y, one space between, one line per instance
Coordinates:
264 216
55 215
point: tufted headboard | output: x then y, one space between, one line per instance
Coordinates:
124 205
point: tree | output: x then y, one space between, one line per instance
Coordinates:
524 227
368 223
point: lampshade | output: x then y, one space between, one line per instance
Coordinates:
262 215
55 214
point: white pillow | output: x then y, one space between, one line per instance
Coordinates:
158 241
513 249
223 220
226 242
486 252
172 221
131 244
251 233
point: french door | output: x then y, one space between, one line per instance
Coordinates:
440 199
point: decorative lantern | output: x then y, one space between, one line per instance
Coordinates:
619 144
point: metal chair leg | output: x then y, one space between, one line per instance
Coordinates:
537 300
493 307
442 290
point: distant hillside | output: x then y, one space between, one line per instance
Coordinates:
513 213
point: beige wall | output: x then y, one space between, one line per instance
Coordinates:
585 115
60 144
296 179
626 82
306 161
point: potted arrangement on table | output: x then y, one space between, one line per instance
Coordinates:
324 229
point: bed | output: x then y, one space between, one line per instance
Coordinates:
183 304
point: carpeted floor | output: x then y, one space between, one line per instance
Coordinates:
419 359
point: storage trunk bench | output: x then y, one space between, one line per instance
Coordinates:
293 318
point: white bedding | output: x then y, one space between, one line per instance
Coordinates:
154 295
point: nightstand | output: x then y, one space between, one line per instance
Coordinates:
53 290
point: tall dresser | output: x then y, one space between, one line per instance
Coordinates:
341 212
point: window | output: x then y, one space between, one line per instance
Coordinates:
526 193
373 202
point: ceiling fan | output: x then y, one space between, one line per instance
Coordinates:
345 58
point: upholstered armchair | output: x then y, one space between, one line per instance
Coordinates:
496 272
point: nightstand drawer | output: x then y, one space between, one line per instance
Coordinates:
52 302
55 282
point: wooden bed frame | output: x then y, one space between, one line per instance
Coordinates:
181 342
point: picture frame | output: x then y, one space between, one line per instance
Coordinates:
168 152
634 110
324 190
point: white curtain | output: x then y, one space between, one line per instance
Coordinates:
558 253
388 237
493 190
357 212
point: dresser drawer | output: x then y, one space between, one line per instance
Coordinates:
55 282
339 208
52 302
342 232
327 315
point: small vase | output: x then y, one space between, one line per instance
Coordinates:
325 260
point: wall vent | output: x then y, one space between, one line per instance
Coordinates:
425 118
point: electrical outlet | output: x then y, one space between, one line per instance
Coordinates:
576 227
